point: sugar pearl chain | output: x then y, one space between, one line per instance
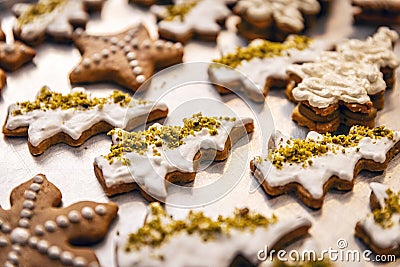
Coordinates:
126 45
21 236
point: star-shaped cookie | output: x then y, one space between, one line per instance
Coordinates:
35 232
53 18
14 55
192 18
127 58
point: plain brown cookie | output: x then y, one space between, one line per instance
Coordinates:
127 58
376 12
36 232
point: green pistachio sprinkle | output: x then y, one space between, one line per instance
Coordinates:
180 10
384 215
168 136
301 151
49 100
160 227
263 49
38 10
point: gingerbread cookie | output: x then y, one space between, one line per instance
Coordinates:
3 79
53 18
73 118
2 35
36 232
346 86
192 18
311 166
128 58
203 240
275 19
142 160
380 231
386 12
14 55
263 63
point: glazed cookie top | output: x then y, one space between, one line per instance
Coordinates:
262 60
197 16
351 74
314 160
36 232
161 235
284 13
376 49
51 17
383 225
160 150
52 112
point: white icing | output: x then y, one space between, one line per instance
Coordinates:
62 221
313 177
33 241
30 195
26 213
153 169
201 19
380 192
258 70
382 237
28 204
54 252
43 246
45 124
377 49
351 74
219 251
100 210
74 216
55 23
20 235
50 226
79 262
35 187
3 241
5 228
38 179
285 13
66 257
87 213
13 257
24 223
39 230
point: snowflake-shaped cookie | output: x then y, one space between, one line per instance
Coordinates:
36 233
192 18
54 18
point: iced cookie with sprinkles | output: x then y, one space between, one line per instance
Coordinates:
376 12
263 63
311 166
127 58
52 18
380 230
206 241
345 86
149 160
37 232
275 19
75 117
192 18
